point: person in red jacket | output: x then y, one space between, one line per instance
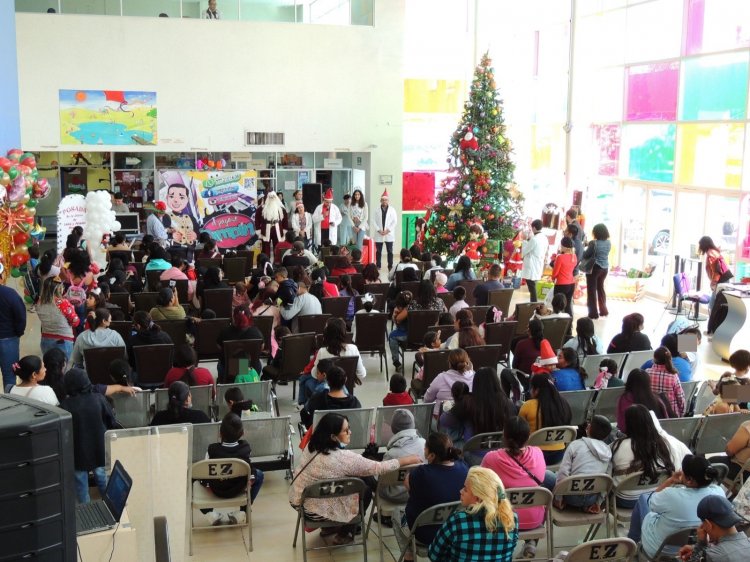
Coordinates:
398 396
562 272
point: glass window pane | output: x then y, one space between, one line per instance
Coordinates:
654 30
153 8
330 12
648 152
601 205
548 147
196 9
425 141
104 8
714 87
633 228
600 39
691 210
710 155
717 25
433 96
659 231
607 146
362 11
36 6
598 96
722 220
652 92
746 167
270 10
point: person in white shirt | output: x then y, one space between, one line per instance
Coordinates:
459 293
384 224
31 371
359 215
154 225
304 304
334 345
326 219
211 12
301 223
534 252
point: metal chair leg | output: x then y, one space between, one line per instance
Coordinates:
296 529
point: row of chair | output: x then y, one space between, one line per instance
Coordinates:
137 411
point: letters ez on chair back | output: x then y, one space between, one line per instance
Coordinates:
521 498
97 360
433 516
331 489
558 435
152 362
581 486
636 482
603 550
202 497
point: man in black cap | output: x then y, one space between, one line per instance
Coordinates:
718 538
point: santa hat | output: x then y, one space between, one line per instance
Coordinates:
329 195
160 207
385 195
546 358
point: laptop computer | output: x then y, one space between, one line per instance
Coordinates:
105 514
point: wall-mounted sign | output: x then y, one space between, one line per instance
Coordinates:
386 180
333 163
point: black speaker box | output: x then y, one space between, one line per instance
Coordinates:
312 196
37 484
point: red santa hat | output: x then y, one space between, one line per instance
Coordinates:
385 195
546 359
160 207
328 195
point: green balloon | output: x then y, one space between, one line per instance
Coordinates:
13 173
29 242
32 203
15 272
28 300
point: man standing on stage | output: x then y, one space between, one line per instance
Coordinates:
384 222
326 219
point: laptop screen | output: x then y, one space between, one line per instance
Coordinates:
118 489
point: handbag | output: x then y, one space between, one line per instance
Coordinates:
587 264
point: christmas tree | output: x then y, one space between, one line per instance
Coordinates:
479 188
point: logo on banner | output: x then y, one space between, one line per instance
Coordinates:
230 230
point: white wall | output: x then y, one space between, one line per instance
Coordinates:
327 87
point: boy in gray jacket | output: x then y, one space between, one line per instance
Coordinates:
589 455
405 441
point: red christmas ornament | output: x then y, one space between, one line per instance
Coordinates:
20 238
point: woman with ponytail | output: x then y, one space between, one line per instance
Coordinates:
546 408
673 505
438 481
146 332
31 371
486 529
179 409
57 317
664 378
186 369
99 335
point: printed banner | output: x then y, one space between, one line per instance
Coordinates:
107 117
221 203
70 213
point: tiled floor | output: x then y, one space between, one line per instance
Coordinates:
274 520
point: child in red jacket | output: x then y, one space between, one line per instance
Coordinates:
398 396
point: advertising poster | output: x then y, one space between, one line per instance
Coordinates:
107 117
70 213
221 203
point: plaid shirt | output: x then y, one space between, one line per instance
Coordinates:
464 538
668 383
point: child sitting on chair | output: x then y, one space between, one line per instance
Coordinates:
398 396
237 403
232 446
430 342
309 384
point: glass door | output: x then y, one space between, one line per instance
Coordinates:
659 234
633 228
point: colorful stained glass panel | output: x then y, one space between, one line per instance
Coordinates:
607 146
714 87
648 152
717 25
710 155
652 92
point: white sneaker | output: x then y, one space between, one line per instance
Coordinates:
217 518
236 518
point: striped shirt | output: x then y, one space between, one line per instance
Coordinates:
465 538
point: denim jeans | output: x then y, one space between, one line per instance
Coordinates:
257 483
51 343
640 510
396 336
82 483
10 351
359 238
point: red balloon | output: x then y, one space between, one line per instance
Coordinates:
5 164
15 154
20 238
19 259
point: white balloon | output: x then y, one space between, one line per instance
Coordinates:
116 226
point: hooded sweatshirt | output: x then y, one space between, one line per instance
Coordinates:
440 388
405 442
101 337
92 416
585 456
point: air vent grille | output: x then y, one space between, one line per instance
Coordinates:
256 139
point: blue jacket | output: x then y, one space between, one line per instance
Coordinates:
12 314
567 379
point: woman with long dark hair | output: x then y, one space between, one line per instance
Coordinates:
527 350
717 272
426 298
647 448
638 391
348 290
467 334
326 457
359 214
598 249
484 410
546 409
569 375
179 409
462 271
57 317
185 368
371 274
55 361
334 345
664 379
630 338
586 341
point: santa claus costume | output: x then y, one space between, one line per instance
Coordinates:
326 219
271 222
